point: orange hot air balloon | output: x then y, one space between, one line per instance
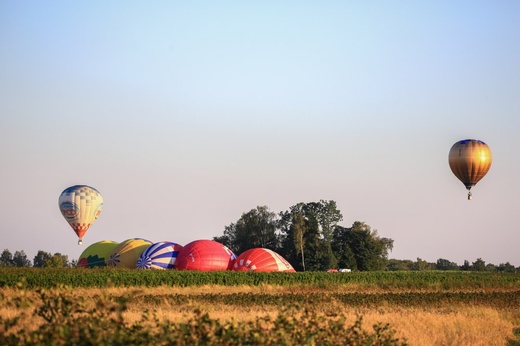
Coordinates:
470 160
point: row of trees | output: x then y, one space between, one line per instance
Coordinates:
444 264
41 260
309 236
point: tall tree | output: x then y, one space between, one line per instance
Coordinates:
479 265
299 231
6 258
20 259
360 248
40 258
465 266
319 218
256 228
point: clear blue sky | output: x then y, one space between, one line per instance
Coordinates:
184 115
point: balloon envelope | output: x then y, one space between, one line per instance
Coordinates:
160 255
96 255
205 255
126 254
262 260
470 160
80 205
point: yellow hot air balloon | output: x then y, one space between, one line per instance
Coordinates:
470 160
126 254
80 205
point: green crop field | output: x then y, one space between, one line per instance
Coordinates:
98 277
109 306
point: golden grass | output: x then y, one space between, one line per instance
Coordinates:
443 325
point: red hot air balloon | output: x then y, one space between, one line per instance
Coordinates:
262 260
205 255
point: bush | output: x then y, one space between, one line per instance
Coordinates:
69 320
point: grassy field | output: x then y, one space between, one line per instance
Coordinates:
418 308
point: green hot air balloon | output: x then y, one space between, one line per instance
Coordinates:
96 255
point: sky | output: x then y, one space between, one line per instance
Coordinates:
185 115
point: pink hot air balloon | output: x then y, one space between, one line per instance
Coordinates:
205 255
262 260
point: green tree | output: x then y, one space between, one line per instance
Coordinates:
20 259
479 265
360 247
444 264
395 264
421 264
490 267
256 228
506 267
299 231
314 234
6 258
57 261
40 258
466 266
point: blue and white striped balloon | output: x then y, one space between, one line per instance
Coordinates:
160 255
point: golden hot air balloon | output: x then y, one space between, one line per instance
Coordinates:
80 205
470 160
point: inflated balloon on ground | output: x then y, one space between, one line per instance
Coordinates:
126 254
96 254
205 255
262 260
160 255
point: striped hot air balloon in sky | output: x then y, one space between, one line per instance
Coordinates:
96 255
126 254
80 205
160 255
262 260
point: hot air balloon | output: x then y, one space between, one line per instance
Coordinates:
80 205
262 260
205 255
96 255
470 160
126 254
160 255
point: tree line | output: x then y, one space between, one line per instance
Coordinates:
42 259
308 235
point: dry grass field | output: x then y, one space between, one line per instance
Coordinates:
462 317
